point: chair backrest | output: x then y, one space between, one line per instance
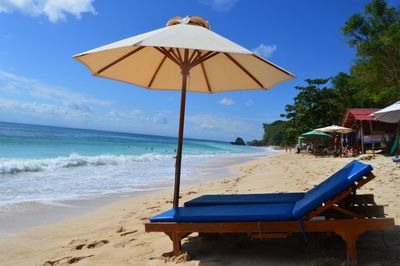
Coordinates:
332 186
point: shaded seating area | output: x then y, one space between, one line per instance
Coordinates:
332 206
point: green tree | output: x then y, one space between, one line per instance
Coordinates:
316 105
375 34
347 92
273 133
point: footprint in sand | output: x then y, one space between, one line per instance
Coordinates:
129 232
124 243
77 244
68 260
83 243
79 247
97 244
120 229
153 207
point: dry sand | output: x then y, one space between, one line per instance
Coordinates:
114 234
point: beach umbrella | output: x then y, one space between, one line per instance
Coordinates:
335 129
187 56
390 114
315 135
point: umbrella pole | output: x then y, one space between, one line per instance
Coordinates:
185 73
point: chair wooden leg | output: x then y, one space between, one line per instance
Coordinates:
176 242
350 237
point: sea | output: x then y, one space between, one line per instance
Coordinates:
45 165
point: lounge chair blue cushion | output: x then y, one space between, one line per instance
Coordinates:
232 199
332 186
228 213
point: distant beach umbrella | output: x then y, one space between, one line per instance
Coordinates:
315 135
185 56
335 129
390 114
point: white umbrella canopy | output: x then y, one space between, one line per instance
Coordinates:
335 129
390 114
184 56
154 60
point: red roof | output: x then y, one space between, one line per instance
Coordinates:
353 115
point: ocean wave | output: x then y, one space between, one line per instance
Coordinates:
16 166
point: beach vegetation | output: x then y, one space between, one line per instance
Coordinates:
372 81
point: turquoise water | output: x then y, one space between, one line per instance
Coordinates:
48 164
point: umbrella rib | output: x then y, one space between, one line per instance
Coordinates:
193 54
118 60
171 52
175 55
167 55
156 72
193 58
203 58
269 63
244 70
199 57
206 77
179 54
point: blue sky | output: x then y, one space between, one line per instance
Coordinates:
41 84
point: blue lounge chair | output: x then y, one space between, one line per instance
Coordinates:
334 201
234 199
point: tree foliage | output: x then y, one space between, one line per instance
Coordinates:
372 82
316 105
274 133
375 34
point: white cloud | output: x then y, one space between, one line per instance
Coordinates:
226 101
249 103
220 5
55 10
11 83
265 50
220 127
115 115
136 113
160 118
41 109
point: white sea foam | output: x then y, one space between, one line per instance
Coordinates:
17 166
77 176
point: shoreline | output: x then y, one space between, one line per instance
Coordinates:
114 234
13 217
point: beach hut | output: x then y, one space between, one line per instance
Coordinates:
186 56
368 132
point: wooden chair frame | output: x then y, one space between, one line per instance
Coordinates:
349 222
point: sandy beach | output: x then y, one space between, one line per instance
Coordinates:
114 234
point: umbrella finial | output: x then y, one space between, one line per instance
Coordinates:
192 20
